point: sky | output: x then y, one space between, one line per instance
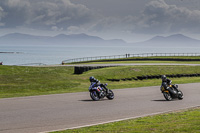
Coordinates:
130 20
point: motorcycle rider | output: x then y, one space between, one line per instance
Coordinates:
166 82
97 83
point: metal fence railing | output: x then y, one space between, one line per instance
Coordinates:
127 56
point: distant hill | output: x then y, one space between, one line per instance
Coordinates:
76 39
175 40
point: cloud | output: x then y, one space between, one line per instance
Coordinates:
156 17
43 14
114 24
2 14
159 17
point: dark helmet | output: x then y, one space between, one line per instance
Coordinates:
91 79
163 77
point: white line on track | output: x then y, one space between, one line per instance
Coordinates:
106 122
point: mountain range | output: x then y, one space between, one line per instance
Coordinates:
175 40
81 39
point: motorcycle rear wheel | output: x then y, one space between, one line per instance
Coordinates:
94 95
110 96
167 96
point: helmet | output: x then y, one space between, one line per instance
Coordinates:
92 79
163 77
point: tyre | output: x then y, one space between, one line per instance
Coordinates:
167 96
180 96
110 96
94 95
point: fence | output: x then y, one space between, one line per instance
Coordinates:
85 59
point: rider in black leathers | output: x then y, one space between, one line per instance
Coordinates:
97 83
166 82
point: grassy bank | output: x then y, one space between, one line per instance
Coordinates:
153 59
139 62
16 81
175 122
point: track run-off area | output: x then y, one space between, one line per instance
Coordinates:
72 110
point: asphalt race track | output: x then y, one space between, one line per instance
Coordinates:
63 111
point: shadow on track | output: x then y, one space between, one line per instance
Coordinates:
87 100
90 100
161 100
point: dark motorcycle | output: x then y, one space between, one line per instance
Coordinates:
98 91
171 92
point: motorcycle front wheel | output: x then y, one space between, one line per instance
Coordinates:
110 95
94 95
180 96
167 96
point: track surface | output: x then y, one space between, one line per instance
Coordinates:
62 111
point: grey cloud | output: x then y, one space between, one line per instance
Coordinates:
155 17
159 17
16 12
2 14
114 24
45 14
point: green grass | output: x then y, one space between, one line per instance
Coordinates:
168 57
153 59
17 81
137 62
174 122
27 81
134 71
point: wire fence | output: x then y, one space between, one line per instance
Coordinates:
85 59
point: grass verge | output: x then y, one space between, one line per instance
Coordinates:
186 121
151 59
138 62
